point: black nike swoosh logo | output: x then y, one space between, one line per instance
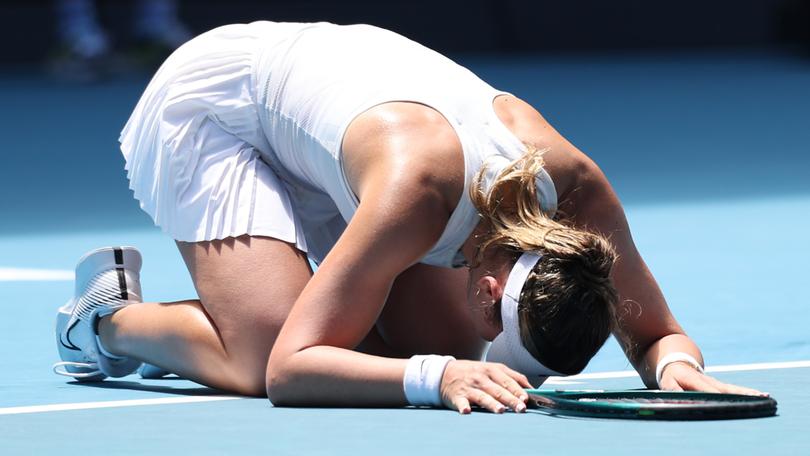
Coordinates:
67 336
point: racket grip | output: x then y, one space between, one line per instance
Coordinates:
675 357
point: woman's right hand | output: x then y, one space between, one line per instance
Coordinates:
492 386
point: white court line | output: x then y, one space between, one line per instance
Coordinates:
35 275
185 400
729 368
112 404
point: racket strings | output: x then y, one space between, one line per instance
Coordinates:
633 400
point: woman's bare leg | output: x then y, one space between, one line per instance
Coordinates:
246 285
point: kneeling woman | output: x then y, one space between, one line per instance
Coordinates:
442 212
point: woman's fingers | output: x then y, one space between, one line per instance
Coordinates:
486 400
670 385
700 382
521 379
682 377
734 389
507 390
462 405
504 396
491 386
505 386
468 396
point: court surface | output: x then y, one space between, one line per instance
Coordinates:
709 152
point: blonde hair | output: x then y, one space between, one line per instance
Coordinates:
567 306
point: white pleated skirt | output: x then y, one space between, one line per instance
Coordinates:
193 143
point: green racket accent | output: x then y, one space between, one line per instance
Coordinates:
651 405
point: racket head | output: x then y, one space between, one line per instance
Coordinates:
652 404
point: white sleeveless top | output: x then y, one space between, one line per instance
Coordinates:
311 85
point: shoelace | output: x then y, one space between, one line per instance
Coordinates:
96 371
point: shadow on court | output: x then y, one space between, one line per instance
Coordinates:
163 386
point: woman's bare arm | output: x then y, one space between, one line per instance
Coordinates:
312 362
647 329
405 204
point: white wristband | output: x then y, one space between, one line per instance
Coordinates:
423 379
675 357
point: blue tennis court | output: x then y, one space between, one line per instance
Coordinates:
709 152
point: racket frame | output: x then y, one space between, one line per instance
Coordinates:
706 406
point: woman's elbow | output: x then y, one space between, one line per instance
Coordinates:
276 382
280 382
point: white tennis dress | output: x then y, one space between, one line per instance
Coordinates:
240 131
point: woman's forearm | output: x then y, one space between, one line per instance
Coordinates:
332 377
647 329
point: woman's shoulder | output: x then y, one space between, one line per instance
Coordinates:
568 167
521 118
408 142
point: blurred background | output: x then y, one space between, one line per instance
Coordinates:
698 111
34 29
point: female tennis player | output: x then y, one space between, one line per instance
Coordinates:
442 213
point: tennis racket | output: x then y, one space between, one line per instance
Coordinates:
651 404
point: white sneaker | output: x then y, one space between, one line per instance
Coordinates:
107 279
74 363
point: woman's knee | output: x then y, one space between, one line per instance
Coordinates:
247 352
250 380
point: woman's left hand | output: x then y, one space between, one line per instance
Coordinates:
683 377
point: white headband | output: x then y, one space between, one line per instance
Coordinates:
507 347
